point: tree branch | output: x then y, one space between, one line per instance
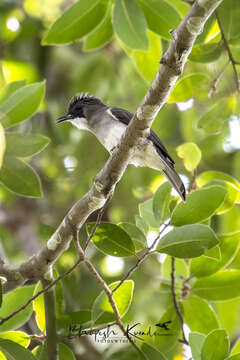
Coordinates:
172 66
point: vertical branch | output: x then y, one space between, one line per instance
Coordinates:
175 300
50 318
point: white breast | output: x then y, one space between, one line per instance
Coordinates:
80 123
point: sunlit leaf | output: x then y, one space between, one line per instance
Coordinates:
76 22
187 241
161 202
19 337
191 155
206 53
135 234
39 309
19 177
161 16
196 341
215 346
223 285
102 311
130 25
9 89
22 104
14 351
229 13
146 212
187 87
200 205
25 145
2 144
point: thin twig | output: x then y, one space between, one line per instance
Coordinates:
140 260
234 63
175 300
217 79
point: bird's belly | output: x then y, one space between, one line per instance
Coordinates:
111 135
146 156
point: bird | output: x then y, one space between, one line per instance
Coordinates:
87 112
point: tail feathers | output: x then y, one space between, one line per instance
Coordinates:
176 181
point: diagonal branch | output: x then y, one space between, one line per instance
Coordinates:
172 66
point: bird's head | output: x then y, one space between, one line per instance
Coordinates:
80 109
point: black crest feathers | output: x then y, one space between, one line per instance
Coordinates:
83 99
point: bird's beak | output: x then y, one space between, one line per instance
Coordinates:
64 118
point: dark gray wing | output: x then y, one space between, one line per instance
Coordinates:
125 116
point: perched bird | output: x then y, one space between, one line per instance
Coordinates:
109 123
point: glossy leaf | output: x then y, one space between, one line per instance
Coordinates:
141 224
223 285
205 266
25 145
215 346
2 144
146 212
152 353
161 202
161 16
14 351
135 234
200 205
191 155
188 241
130 25
212 120
112 240
39 309
206 53
101 35
234 357
65 353
9 89
196 341
102 311
187 87
147 61
76 22
229 13
199 315
11 302
19 337
208 176
19 177
231 197
22 104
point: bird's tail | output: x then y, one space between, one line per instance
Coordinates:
176 181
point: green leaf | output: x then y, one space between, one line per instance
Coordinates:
130 25
196 341
19 337
65 353
200 205
76 22
205 266
191 155
208 176
25 145
187 87
13 301
75 317
199 315
22 104
234 357
229 14
213 119
2 144
215 346
146 212
135 234
141 224
187 241
19 177
102 311
39 308
223 285
147 62
112 240
152 353
206 53
40 352
9 89
14 351
161 16
161 200
181 268
101 35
